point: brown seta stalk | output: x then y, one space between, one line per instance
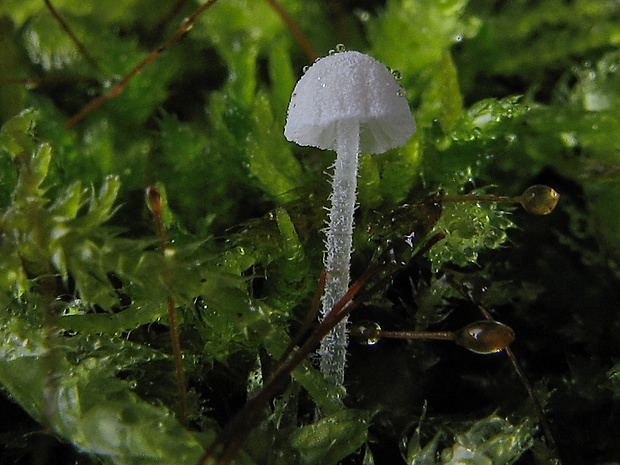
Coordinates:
155 204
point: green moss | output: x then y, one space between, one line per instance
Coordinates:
505 95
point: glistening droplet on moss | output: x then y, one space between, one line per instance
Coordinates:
365 332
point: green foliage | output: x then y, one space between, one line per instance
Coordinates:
490 440
73 390
332 438
470 229
505 94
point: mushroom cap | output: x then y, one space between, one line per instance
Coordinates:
349 86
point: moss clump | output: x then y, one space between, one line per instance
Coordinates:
506 95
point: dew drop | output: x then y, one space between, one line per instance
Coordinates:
470 254
305 69
398 75
90 363
364 16
331 52
340 48
365 332
187 24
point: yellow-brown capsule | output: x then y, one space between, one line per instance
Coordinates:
485 337
539 199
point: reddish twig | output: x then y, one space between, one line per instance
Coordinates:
186 25
295 30
116 90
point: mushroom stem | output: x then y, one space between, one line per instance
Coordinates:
339 245
351 103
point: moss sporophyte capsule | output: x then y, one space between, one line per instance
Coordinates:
350 103
481 337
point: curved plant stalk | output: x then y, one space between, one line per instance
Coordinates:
186 25
118 88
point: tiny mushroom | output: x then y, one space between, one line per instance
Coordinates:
350 103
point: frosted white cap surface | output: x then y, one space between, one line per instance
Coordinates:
349 86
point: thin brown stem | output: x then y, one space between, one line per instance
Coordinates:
244 421
481 198
440 335
71 35
528 387
517 367
540 413
155 203
118 88
537 405
295 30
186 25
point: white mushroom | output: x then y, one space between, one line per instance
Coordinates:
351 103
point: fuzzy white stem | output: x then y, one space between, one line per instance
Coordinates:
333 350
